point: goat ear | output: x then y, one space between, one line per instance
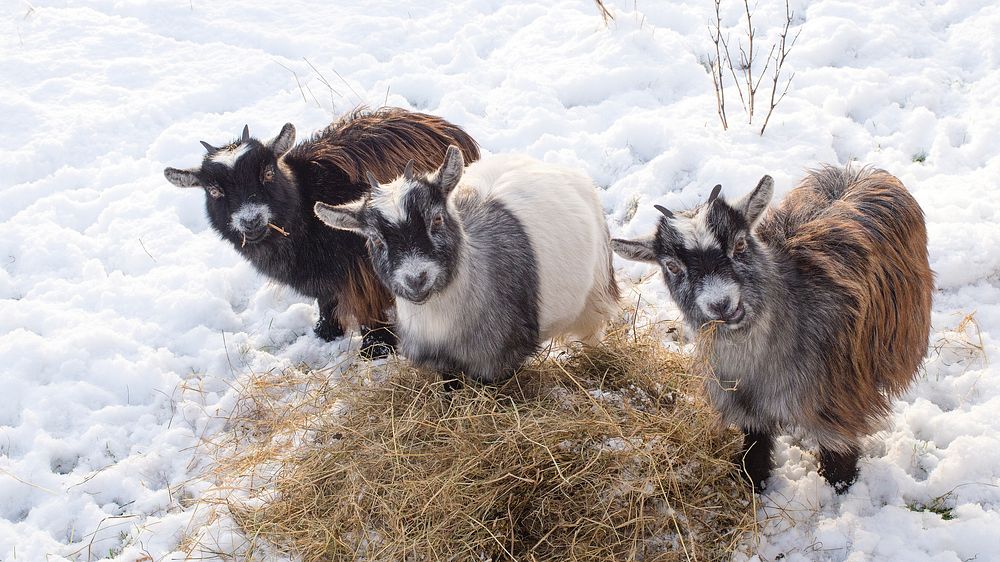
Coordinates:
715 193
343 217
451 170
182 178
408 170
753 204
372 181
641 249
284 141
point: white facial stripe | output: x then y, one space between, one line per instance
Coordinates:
413 265
229 156
695 231
255 213
714 290
389 199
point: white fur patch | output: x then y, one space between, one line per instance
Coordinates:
714 290
561 213
413 265
389 199
252 212
695 231
229 156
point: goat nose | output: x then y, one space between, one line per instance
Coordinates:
720 308
417 281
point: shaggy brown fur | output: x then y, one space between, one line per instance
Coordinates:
382 141
363 298
870 242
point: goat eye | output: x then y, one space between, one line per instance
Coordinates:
673 268
376 243
214 192
740 246
268 174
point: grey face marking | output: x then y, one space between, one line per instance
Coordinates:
415 276
251 220
719 299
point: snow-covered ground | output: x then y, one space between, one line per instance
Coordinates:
126 324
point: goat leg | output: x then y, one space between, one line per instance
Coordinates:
755 457
327 327
379 341
839 468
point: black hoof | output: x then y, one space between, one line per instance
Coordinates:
839 468
378 344
328 330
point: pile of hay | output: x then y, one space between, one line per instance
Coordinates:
607 453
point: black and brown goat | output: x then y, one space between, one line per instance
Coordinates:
820 308
260 197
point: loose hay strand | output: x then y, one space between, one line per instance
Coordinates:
280 230
608 452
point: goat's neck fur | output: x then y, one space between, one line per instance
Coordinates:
434 320
762 375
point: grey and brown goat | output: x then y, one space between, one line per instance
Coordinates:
820 307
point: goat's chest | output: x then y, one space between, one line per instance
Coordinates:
756 389
442 323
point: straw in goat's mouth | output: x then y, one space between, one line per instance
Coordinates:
282 231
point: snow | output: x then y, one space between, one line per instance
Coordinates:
126 325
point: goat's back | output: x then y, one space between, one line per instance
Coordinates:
857 232
562 215
382 141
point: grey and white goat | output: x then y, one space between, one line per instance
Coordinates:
487 262
822 306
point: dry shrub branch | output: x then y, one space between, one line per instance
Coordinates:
745 78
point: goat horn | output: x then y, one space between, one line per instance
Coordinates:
246 133
663 210
715 193
208 147
408 170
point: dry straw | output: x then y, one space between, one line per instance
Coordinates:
607 453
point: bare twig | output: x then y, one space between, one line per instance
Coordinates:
720 92
297 82
346 83
147 251
746 78
603 10
779 60
278 228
